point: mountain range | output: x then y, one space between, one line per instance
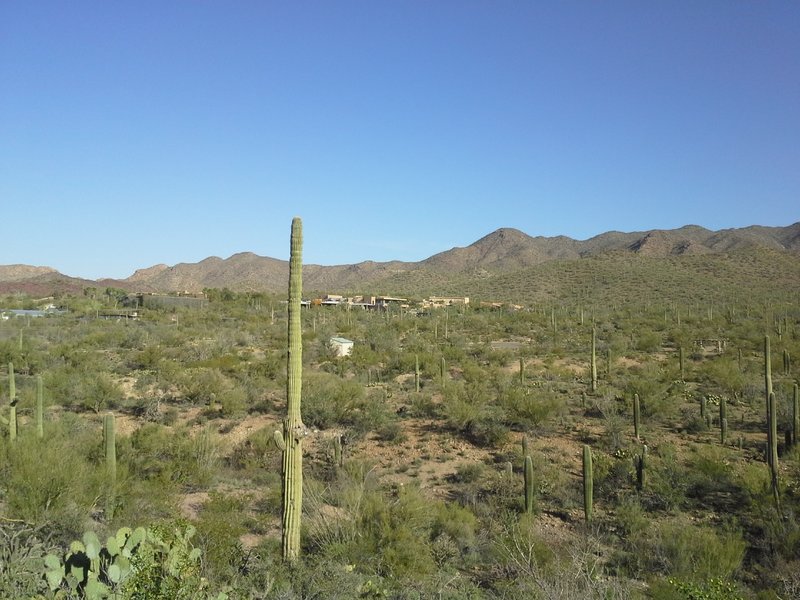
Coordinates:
499 254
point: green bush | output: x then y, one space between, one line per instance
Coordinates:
701 553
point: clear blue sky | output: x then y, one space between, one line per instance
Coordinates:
136 133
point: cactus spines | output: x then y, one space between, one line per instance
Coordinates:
39 408
528 475
12 397
637 415
293 428
594 360
588 483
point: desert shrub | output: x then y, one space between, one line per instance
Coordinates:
172 455
233 402
203 385
22 552
678 589
712 481
456 523
395 534
82 388
700 553
256 454
528 407
649 341
466 409
219 525
666 480
422 405
53 480
329 400
536 563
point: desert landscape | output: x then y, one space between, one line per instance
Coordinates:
445 452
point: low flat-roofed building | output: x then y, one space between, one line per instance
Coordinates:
341 346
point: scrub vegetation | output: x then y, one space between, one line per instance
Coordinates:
438 463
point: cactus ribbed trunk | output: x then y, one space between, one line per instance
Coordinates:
528 474
12 397
796 415
293 428
338 461
39 408
723 420
522 371
637 415
588 483
773 449
110 441
416 373
768 391
786 363
641 467
594 361
680 362
772 423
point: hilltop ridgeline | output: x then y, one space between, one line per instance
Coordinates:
504 251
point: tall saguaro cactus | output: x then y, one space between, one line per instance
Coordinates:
768 390
39 408
110 441
416 373
12 398
594 360
528 477
293 428
723 421
637 415
772 423
796 415
588 483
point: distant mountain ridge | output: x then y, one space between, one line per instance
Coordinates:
500 252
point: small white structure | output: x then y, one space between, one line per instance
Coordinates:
341 346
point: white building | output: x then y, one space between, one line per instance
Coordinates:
341 346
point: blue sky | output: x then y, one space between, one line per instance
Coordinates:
163 132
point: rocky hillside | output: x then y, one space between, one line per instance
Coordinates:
502 252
